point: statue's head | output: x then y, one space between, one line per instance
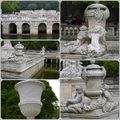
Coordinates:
83 28
79 89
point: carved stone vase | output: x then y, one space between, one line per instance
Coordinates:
30 97
93 75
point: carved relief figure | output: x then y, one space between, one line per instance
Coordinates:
71 69
77 103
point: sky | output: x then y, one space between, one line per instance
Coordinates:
55 84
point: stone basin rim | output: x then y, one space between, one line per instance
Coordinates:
29 81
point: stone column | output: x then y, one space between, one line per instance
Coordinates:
34 28
5 27
49 28
19 28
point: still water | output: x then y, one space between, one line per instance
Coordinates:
49 71
28 36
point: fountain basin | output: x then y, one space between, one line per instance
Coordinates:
26 68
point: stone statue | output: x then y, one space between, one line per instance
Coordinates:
80 45
71 69
7 50
106 101
91 40
43 50
95 97
77 103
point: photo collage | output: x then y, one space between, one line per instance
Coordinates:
59 59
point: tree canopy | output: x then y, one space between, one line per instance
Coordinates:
16 6
112 67
10 6
10 100
37 45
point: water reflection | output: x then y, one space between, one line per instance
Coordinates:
28 36
50 71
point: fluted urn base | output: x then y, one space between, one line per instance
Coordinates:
30 110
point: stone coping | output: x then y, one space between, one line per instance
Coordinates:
90 116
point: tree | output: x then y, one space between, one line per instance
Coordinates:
10 6
10 100
112 67
32 6
37 45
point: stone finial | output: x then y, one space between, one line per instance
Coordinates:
19 46
7 45
97 1
92 61
43 50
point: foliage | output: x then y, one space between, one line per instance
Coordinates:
10 100
112 4
32 6
112 67
10 6
50 107
37 45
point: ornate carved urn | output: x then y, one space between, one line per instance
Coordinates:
19 49
93 75
30 97
96 15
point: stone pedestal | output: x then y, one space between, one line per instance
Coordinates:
96 115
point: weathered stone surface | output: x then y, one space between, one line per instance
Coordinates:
71 70
94 101
22 65
33 18
7 50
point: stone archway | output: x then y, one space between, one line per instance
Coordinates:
42 28
55 28
12 28
25 28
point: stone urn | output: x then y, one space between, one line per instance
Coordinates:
93 75
30 97
19 49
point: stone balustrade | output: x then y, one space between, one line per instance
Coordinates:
72 30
